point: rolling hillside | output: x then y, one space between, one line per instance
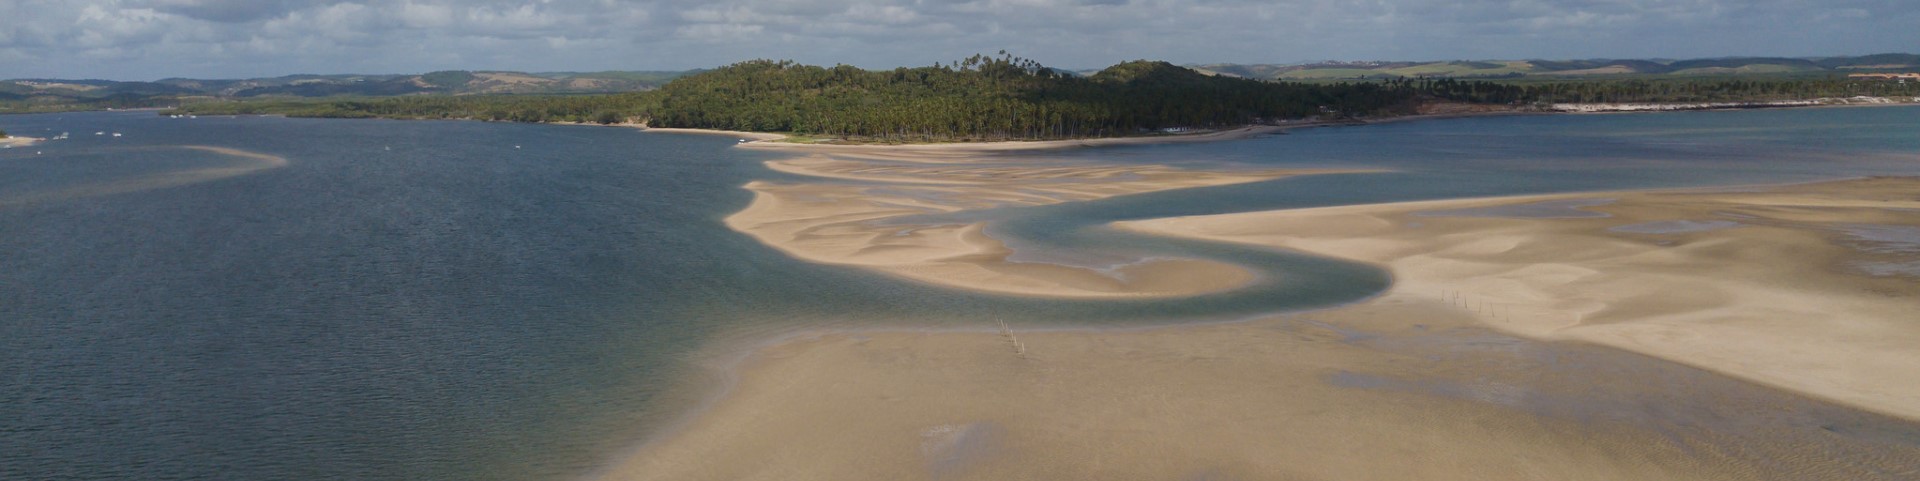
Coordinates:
26 94
1567 68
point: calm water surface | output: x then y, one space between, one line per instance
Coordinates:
456 300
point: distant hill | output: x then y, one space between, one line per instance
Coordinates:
109 93
1566 68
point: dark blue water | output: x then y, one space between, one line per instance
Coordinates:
456 300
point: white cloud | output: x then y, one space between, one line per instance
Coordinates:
147 39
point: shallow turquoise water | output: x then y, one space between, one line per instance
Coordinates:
456 300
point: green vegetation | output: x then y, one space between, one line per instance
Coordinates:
1002 98
607 109
52 95
1706 89
991 98
1612 68
448 78
979 98
3 134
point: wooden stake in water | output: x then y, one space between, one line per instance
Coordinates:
1018 347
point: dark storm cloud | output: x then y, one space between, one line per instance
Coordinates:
138 39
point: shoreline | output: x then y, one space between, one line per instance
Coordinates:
858 219
676 450
855 214
773 141
963 403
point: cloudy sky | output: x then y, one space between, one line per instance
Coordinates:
151 39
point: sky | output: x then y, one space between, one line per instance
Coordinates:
153 39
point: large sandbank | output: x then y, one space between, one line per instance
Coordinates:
1400 387
1492 357
864 220
1808 287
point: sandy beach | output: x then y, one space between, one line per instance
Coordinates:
777 142
1808 288
863 223
755 136
1726 334
1400 387
18 141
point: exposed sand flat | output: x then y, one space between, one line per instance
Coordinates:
745 135
858 224
18 141
770 141
1401 387
1781 298
1001 146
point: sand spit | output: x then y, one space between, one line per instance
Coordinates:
18 141
864 223
1401 387
1017 145
755 136
1781 298
251 162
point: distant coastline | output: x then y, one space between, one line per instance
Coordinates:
777 141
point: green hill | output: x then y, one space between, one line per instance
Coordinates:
1566 68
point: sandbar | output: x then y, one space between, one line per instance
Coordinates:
1399 387
18 141
1627 344
863 223
1775 293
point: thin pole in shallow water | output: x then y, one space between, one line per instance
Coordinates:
1018 347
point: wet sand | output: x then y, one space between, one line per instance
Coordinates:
18 141
1778 286
866 220
1715 334
1018 145
1400 387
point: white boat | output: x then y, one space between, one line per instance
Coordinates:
99 133
116 134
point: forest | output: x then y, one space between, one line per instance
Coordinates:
978 98
1006 98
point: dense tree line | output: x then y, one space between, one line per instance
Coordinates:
987 98
17 104
1004 97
